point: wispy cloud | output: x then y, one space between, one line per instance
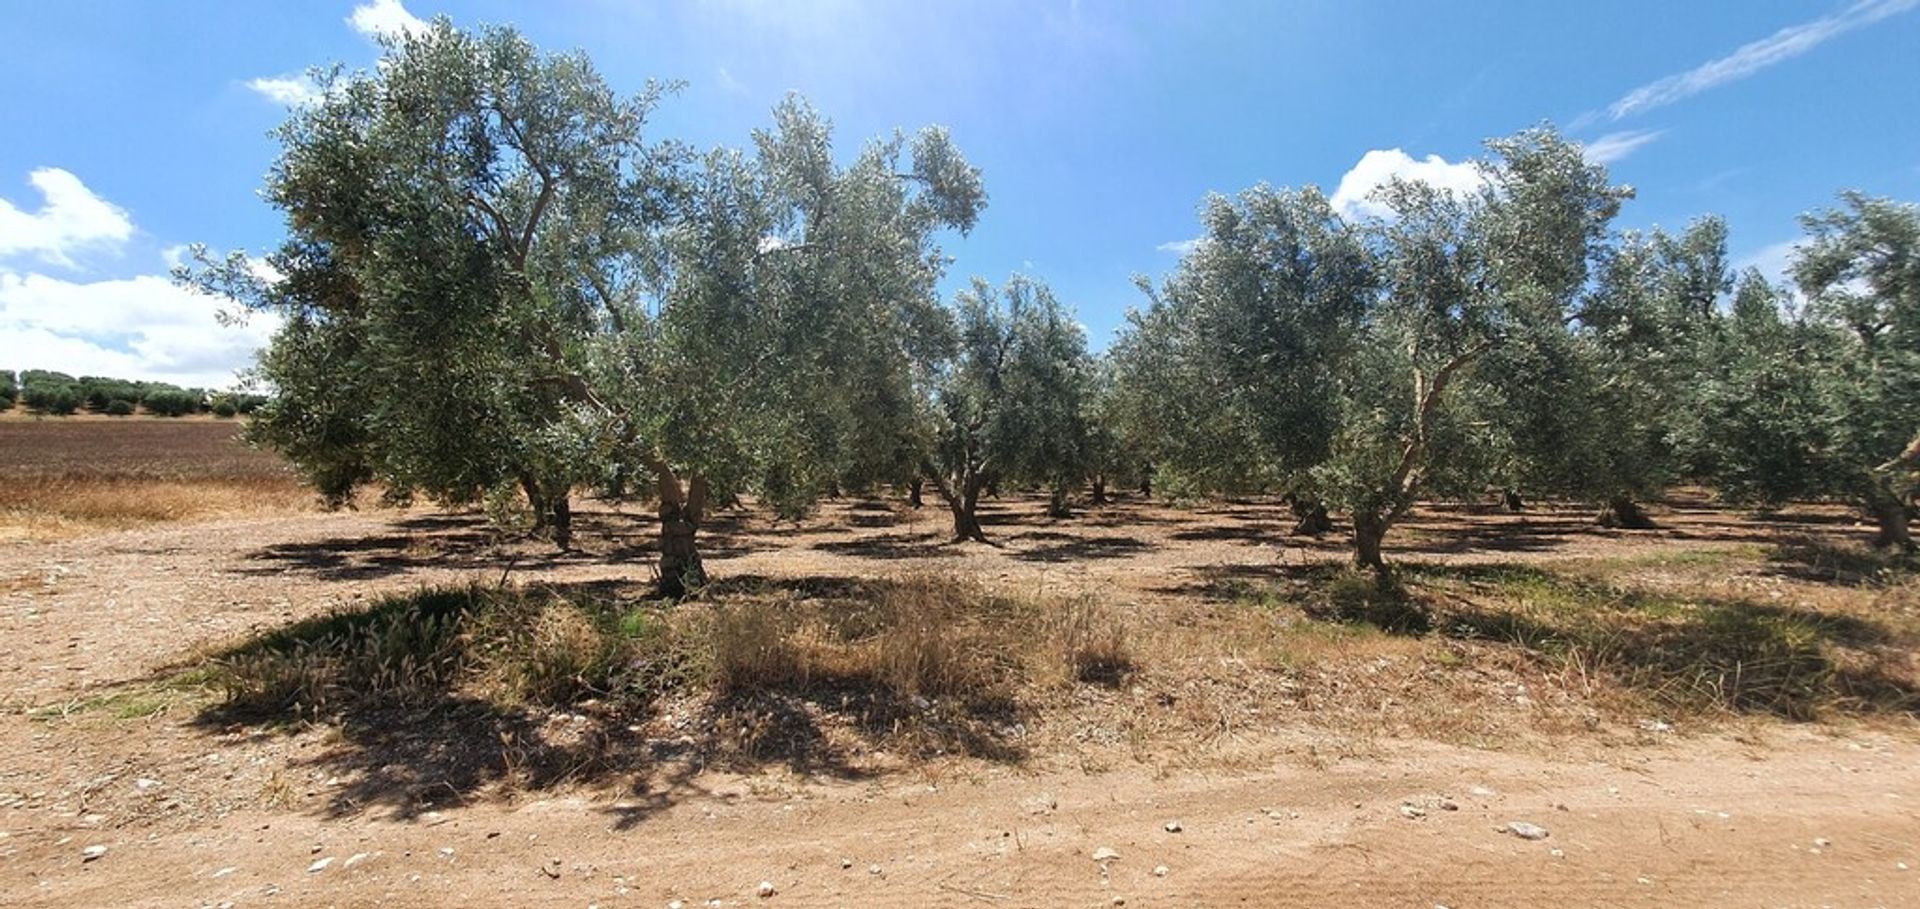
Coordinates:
728 83
1615 146
1772 260
1181 247
1755 56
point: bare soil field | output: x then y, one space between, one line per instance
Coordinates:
68 476
1720 712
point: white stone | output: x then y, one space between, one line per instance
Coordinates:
1526 831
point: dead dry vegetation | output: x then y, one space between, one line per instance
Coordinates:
72 476
534 684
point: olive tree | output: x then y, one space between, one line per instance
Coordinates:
1765 422
1859 269
1337 361
1009 399
797 295
492 278
1603 405
1232 379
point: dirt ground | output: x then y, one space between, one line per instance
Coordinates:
1282 806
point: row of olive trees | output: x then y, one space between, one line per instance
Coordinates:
1511 337
494 280
496 284
48 392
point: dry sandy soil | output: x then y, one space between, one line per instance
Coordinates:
1281 804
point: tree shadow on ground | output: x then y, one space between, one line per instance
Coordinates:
1824 561
888 546
467 542
1072 548
1691 652
437 735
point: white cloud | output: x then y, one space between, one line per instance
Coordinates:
1615 146
1354 196
1772 260
71 218
144 327
385 19
1755 56
1181 247
292 91
728 83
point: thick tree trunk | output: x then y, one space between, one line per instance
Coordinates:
680 514
1058 505
1513 501
1625 513
1369 530
1146 482
965 504
1892 515
552 512
562 521
914 497
536 502
1099 490
1313 518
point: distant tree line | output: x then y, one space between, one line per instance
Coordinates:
497 286
46 392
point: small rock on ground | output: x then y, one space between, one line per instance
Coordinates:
1526 831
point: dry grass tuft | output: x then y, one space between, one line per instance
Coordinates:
1095 643
922 636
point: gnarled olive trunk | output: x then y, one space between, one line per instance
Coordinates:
1312 516
1514 503
961 489
1891 514
552 512
1058 505
1623 512
966 511
681 510
1369 530
1099 490
561 507
914 497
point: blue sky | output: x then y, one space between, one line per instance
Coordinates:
129 128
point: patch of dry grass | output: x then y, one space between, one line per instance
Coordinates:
68 478
925 663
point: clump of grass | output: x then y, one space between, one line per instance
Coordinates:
546 650
402 647
908 641
924 636
1093 641
1688 654
1620 646
1357 596
1845 563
